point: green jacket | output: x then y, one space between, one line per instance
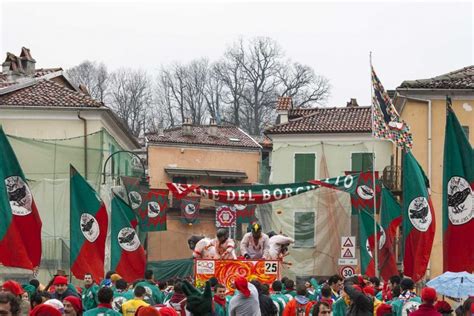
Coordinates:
220 310
281 300
397 304
339 307
153 294
89 297
102 311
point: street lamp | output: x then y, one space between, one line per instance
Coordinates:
143 179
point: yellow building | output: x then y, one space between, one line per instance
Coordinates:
422 104
197 154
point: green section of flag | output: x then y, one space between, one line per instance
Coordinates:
366 230
391 209
9 167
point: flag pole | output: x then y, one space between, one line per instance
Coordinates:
374 185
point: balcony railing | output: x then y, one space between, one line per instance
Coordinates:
392 178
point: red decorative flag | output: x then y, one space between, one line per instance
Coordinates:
391 218
226 216
367 241
363 197
418 219
190 210
127 254
245 213
89 222
458 197
20 223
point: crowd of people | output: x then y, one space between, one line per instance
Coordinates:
354 296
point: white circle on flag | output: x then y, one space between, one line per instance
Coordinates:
460 201
19 195
89 227
381 239
190 209
365 192
419 213
135 199
240 207
153 209
128 239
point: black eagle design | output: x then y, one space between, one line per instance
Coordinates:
420 214
366 191
127 238
153 209
134 199
455 200
86 227
17 195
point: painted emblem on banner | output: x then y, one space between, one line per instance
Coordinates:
135 199
128 239
190 209
225 216
419 213
365 192
460 201
89 227
381 239
153 209
19 196
240 207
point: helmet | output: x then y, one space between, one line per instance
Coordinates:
256 227
222 232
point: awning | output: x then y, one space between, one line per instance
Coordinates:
212 173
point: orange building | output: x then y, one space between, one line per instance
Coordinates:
204 154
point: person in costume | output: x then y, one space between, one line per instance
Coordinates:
202 247
105 297
89 293
225 246
255 244
278 246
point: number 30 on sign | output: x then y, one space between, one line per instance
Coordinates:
347 272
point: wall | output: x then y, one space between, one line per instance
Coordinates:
416 115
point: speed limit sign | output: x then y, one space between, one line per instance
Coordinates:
347 272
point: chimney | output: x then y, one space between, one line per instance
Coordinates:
352 103
212 127
187 127
27 61
283 107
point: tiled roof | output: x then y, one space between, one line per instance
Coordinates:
284 103
458 79
326 120
47 93
226 136
263 140
45 71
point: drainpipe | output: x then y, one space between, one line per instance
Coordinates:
428 102
85 141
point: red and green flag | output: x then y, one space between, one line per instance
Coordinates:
20 223
390 219
367 242
190 209
149 204
127 254
260 194
363 197
89 222
245 213
418 219
458 197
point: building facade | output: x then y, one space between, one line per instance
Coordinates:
422 104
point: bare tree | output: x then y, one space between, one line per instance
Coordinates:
93 76
301 83
196 78
164 100
130 97
213 92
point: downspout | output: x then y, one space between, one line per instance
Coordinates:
85 141
428 270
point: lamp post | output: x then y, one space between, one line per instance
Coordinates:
143 179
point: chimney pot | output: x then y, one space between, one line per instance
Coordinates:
352 103
187 127
212 127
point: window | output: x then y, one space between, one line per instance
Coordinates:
466 130
305 165
304 229
361 162
181 180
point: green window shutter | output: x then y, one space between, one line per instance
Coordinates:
361 162
305 167
304 229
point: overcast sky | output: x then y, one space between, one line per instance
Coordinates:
408 40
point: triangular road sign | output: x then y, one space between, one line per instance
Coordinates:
348 243
348 254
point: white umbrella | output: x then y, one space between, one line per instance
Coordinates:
454 284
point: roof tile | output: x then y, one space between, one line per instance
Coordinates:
458 79
326 120
226 136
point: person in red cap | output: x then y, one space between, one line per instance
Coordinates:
428 298
13 287
443 308
72 306
245 301
45 310
61 289
147 311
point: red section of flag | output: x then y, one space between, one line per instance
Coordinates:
132 264
387 262
91 256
